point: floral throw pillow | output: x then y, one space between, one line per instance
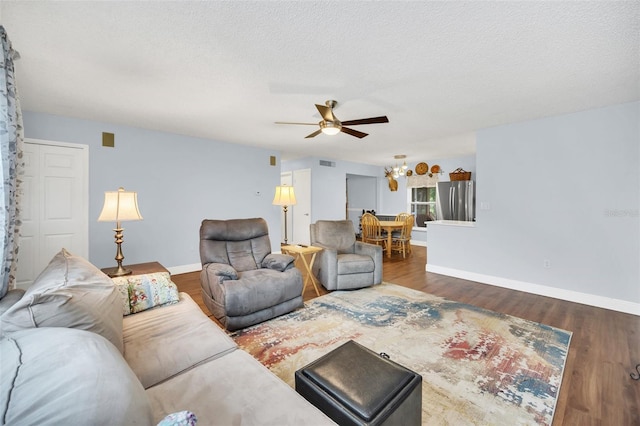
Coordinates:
182 418
142 292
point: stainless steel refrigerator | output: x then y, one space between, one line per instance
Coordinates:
456 200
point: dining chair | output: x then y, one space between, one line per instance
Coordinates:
402 242
371 230
400 217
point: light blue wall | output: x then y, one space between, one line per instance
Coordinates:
363 192
396 202
564 189
180 181
329 184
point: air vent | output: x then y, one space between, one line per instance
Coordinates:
327 163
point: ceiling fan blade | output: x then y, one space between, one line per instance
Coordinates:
326 112
305 124
372 120
314 134
352 132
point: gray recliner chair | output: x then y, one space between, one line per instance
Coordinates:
344 263
242 282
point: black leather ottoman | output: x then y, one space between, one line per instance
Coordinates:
355 386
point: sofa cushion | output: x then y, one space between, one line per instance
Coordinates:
234 390
10 299
146 291
160 343
71 293
62 376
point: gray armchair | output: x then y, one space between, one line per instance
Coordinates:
344 263
242 282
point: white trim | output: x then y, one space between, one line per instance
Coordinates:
418 243
56 143
464 223
542 290
184 269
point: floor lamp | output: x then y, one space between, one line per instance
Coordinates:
119 206
284 197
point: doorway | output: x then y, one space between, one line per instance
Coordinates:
362 194
55 205
299 215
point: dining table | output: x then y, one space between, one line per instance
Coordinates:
390 226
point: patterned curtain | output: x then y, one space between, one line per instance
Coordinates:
11 163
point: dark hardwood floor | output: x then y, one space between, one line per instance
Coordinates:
597 388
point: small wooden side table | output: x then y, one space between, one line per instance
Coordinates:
140 268
300 252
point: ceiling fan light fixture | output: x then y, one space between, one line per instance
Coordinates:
330 127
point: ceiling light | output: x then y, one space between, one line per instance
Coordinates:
330 127
400 170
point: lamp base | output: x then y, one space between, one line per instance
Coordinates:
118 272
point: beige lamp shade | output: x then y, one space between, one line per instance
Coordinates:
120 206
284 196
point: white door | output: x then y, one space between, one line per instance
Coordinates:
55 207
301 213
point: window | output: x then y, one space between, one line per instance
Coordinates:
422 204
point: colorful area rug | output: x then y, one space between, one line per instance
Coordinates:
478 367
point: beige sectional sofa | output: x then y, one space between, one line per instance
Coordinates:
64 365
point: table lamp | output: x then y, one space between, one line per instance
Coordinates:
119 206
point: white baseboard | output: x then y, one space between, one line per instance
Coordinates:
418 243
541 290
183 269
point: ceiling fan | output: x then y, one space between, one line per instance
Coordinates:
330 125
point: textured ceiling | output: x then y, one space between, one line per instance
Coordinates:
228 70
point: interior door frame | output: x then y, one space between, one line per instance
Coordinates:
301 215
